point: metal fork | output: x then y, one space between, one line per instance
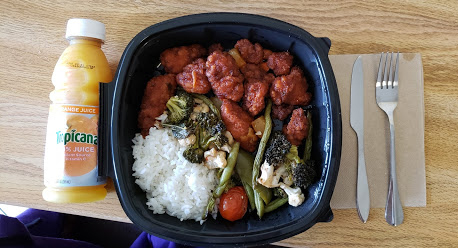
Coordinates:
386 94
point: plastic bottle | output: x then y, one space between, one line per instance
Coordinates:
70 164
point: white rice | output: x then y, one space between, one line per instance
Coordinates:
172 184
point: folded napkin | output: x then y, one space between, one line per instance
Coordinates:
409 134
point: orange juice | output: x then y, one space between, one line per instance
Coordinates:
70 164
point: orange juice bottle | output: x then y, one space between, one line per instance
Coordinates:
70 164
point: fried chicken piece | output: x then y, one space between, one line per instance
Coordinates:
281 112
267 53
176 58
255 92
253 71
193 78
224 76
290 89
280 63
157 92
257 84
249 52
297 128
215 47
238 123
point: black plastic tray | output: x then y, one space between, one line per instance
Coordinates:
121 99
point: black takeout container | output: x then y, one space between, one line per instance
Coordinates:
121 99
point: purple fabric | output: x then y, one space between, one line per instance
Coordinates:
37 229
14 233
147 240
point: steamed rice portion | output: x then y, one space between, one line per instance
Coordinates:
172 184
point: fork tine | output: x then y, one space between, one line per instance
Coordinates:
385 74
395 82
390 79
379 74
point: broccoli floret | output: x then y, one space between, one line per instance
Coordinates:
293 154
206 139
219 128
279 192
180 107
207 120
194 153
212 130
303 173
181 130
277 148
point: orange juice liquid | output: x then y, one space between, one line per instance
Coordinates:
70 164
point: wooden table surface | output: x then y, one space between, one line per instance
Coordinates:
32 38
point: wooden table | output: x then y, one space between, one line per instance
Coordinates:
32 38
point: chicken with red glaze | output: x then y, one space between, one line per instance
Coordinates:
176 58
253 71
257 84
291 89
251 53
255 92
280 63
215 47
193 78
238 123
224 76
157 92
281 112
297 128
267 53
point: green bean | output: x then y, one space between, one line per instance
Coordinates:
209 208
273 205
244 166
262 144
264 192
259 204
308 141
244 169
220 189
231 160
209 102
220 172
225 177
250 194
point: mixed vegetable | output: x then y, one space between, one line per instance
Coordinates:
256 165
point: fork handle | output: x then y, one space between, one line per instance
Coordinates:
393 211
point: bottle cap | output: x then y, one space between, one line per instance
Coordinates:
85 27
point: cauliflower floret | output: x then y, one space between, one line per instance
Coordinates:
295 196
201 107
270 177
215 159
227 148
287 179
160 119
230 139
279 173
267 174
190 140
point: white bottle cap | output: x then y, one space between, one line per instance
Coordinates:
86 28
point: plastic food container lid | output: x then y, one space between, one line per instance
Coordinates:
86 28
